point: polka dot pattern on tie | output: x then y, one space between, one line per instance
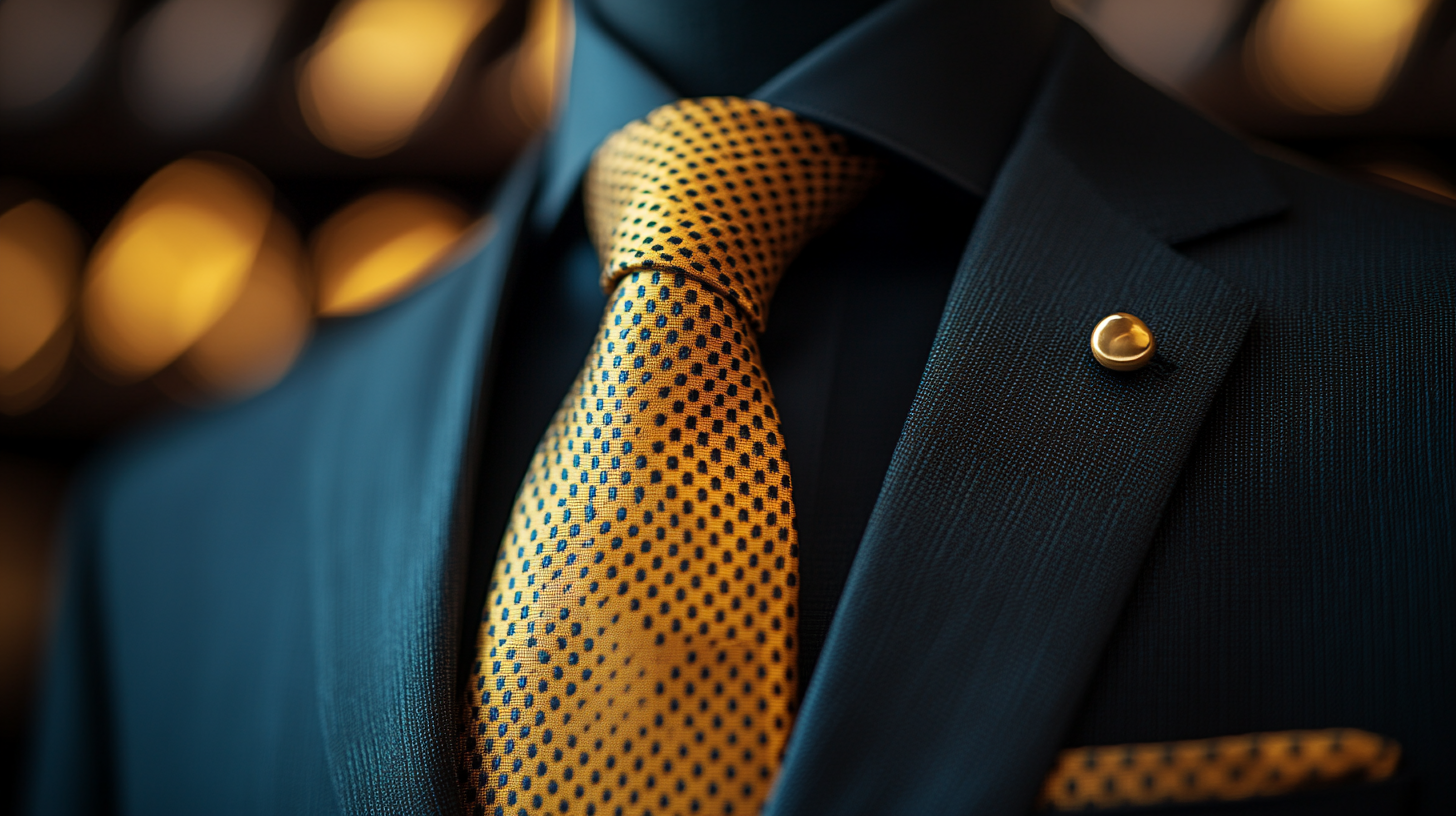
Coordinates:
1225 768
727 190
638 650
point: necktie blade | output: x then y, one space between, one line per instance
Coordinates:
638 648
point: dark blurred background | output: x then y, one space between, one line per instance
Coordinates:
188 188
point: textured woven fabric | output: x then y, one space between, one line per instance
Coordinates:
1226 768
638 648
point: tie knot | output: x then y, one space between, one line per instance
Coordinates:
724 190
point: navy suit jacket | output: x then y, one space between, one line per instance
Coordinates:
263 603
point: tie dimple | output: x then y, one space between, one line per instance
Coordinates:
637 653
726 190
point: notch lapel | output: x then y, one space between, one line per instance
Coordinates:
384 445
1028 480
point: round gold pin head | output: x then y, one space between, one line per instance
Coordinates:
1122 342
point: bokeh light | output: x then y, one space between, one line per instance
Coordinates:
540 61
172 263
41 252
193 62
375 248
381 67
1333 56
45 47
257 339
1166 42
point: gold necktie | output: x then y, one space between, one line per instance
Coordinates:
638 649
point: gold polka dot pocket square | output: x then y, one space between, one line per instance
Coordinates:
1220 769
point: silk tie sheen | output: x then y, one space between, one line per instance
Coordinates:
638 649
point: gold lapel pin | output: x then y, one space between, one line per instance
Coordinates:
1122 342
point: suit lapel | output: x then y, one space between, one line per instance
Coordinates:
1028 480
384 444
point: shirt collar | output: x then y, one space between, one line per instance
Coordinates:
943 83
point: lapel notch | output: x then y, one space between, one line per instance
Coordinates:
1028 480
